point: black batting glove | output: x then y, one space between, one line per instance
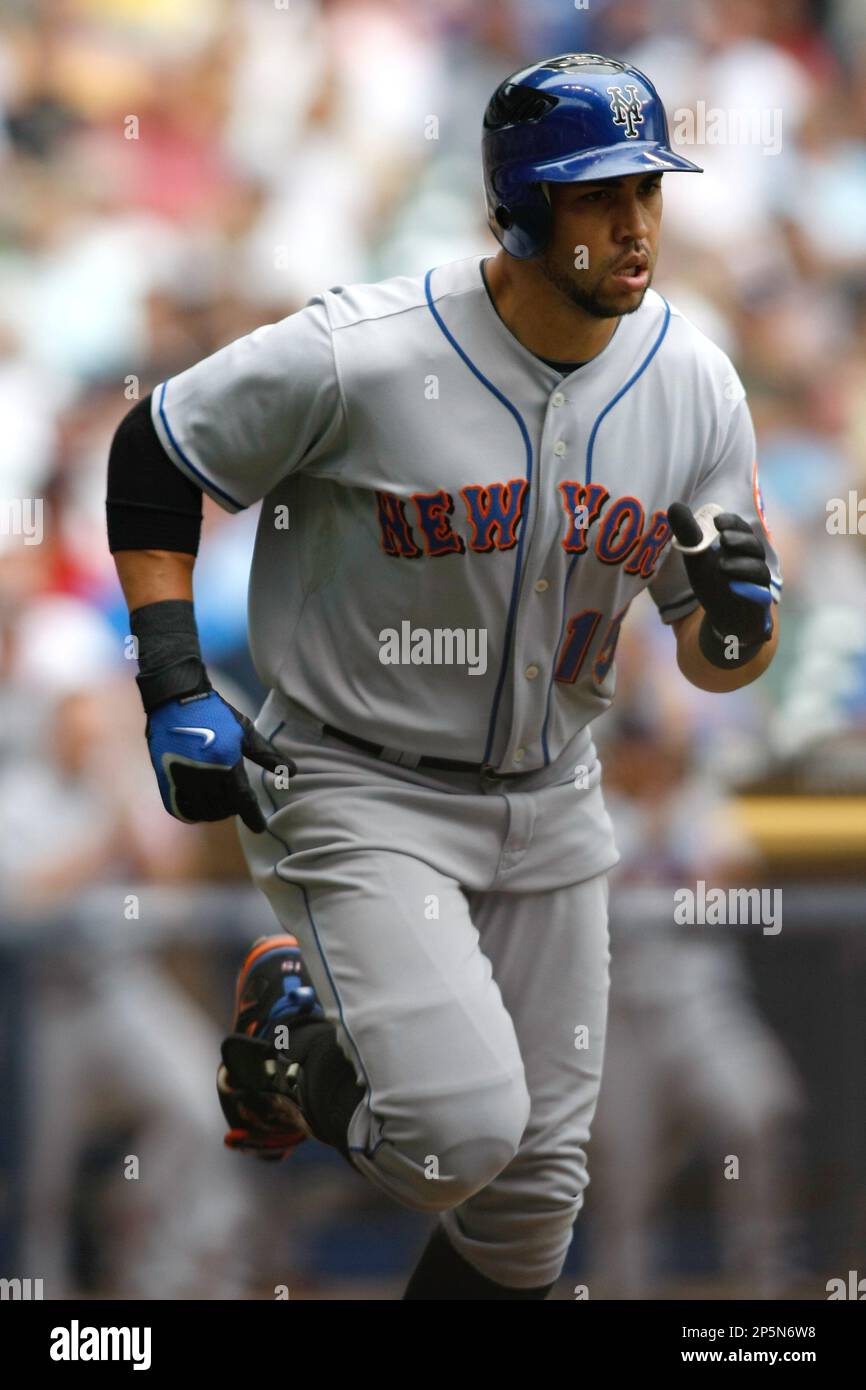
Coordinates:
731 580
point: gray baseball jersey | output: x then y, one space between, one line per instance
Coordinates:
435 496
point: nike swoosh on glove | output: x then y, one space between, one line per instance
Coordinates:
197 747
731 578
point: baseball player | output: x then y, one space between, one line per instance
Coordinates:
466 478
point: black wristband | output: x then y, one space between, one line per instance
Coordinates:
713 646
169 656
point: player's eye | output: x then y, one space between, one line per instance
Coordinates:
596 196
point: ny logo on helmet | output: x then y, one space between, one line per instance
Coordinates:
626 110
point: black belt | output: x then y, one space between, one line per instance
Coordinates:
377 749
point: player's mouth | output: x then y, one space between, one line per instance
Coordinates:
633 272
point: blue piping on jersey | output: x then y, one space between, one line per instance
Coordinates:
354 1148
211 487
678 602
587 480
518 565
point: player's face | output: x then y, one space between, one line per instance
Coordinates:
603 247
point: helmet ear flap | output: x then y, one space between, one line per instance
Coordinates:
521 224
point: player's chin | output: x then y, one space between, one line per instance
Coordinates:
619 298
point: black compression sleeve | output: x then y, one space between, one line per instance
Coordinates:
150 504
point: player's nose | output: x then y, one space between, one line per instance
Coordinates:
632 222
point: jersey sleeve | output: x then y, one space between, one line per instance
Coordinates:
242 419
732 482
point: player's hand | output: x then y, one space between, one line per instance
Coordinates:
197 746
730 577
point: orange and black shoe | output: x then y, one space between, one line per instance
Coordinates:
260 1088
273 988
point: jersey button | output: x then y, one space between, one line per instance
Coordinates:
531 672
519 754
542 585
559 449
558 398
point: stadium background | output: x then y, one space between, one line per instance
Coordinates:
173 174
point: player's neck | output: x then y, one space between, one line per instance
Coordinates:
540 317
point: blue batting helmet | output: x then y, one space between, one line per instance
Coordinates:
567 120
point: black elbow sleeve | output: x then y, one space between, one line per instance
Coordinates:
150 504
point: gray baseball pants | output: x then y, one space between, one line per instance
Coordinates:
456 932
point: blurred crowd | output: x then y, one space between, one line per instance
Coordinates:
174 173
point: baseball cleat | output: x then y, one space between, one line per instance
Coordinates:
273 987
260 1088
260 1092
